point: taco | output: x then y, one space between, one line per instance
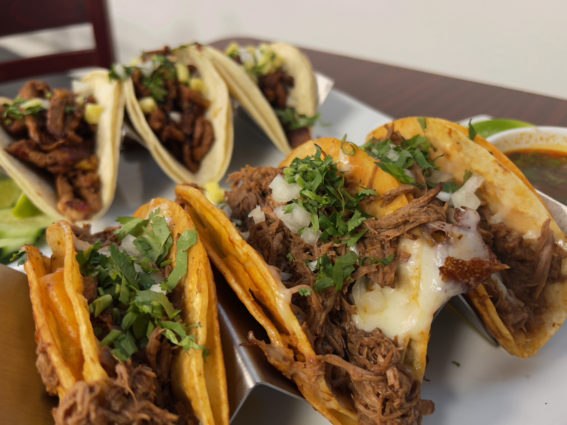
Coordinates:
524 305
276 85
345 268
179 106
61 147
126 322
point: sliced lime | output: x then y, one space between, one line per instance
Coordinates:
9 192
25 208
489 127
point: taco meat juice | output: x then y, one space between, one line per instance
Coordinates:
546 170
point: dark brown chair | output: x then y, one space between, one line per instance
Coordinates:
23 16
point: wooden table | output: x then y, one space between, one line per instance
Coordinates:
403 92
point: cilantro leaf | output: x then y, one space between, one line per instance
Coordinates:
185 241
292 120
472 131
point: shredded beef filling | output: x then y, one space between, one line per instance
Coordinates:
59 143
179 120
127 398
139 391
275 88
533 264
366 366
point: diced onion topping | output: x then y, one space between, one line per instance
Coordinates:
257 215
175 116
309 236
465 196
283 191
296 219
80 88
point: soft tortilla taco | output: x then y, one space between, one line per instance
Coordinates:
62 147
126 322
345 269
524 305
180 107
276 85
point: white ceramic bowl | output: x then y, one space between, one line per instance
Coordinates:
537 138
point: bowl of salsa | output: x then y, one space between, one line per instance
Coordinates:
541 154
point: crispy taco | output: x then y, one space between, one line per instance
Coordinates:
62 147
276 85
525 304
180 107
126 322
345 268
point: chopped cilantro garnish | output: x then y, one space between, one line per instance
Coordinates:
335 274
154 81
304 292
127 280
422 122
472 131
334 211
292 120
120 72
186 241
397 158
15 112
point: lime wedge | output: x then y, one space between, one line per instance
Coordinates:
25 208
9 192
489 127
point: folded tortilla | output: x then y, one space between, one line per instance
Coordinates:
302 97
388 322
41 191
215 163
69 355
524 306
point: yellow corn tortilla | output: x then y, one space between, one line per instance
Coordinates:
216 161
509 196
303 95
65 334
268 299
109 95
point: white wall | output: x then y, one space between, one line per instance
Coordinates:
519 44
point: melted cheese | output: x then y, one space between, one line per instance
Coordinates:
407 310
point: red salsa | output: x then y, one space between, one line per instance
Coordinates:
546 170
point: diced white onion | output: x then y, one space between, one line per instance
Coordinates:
175 116
245 235
438 176
465 196
257 215
392 155
444 196
294 220
80 88
127 245
120 71
285 276
310 236
283 191
157 288
147 68
226 208
312 265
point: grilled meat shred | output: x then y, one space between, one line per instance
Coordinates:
189 136
60 144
